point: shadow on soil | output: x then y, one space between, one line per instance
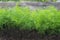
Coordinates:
15 34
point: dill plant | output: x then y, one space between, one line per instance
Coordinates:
24 19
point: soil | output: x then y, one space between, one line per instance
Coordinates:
15 34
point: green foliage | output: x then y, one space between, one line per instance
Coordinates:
31 0
23 18
9 0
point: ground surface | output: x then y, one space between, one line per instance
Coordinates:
14 34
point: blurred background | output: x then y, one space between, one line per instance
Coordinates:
32 4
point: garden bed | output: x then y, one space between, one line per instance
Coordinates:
23 24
